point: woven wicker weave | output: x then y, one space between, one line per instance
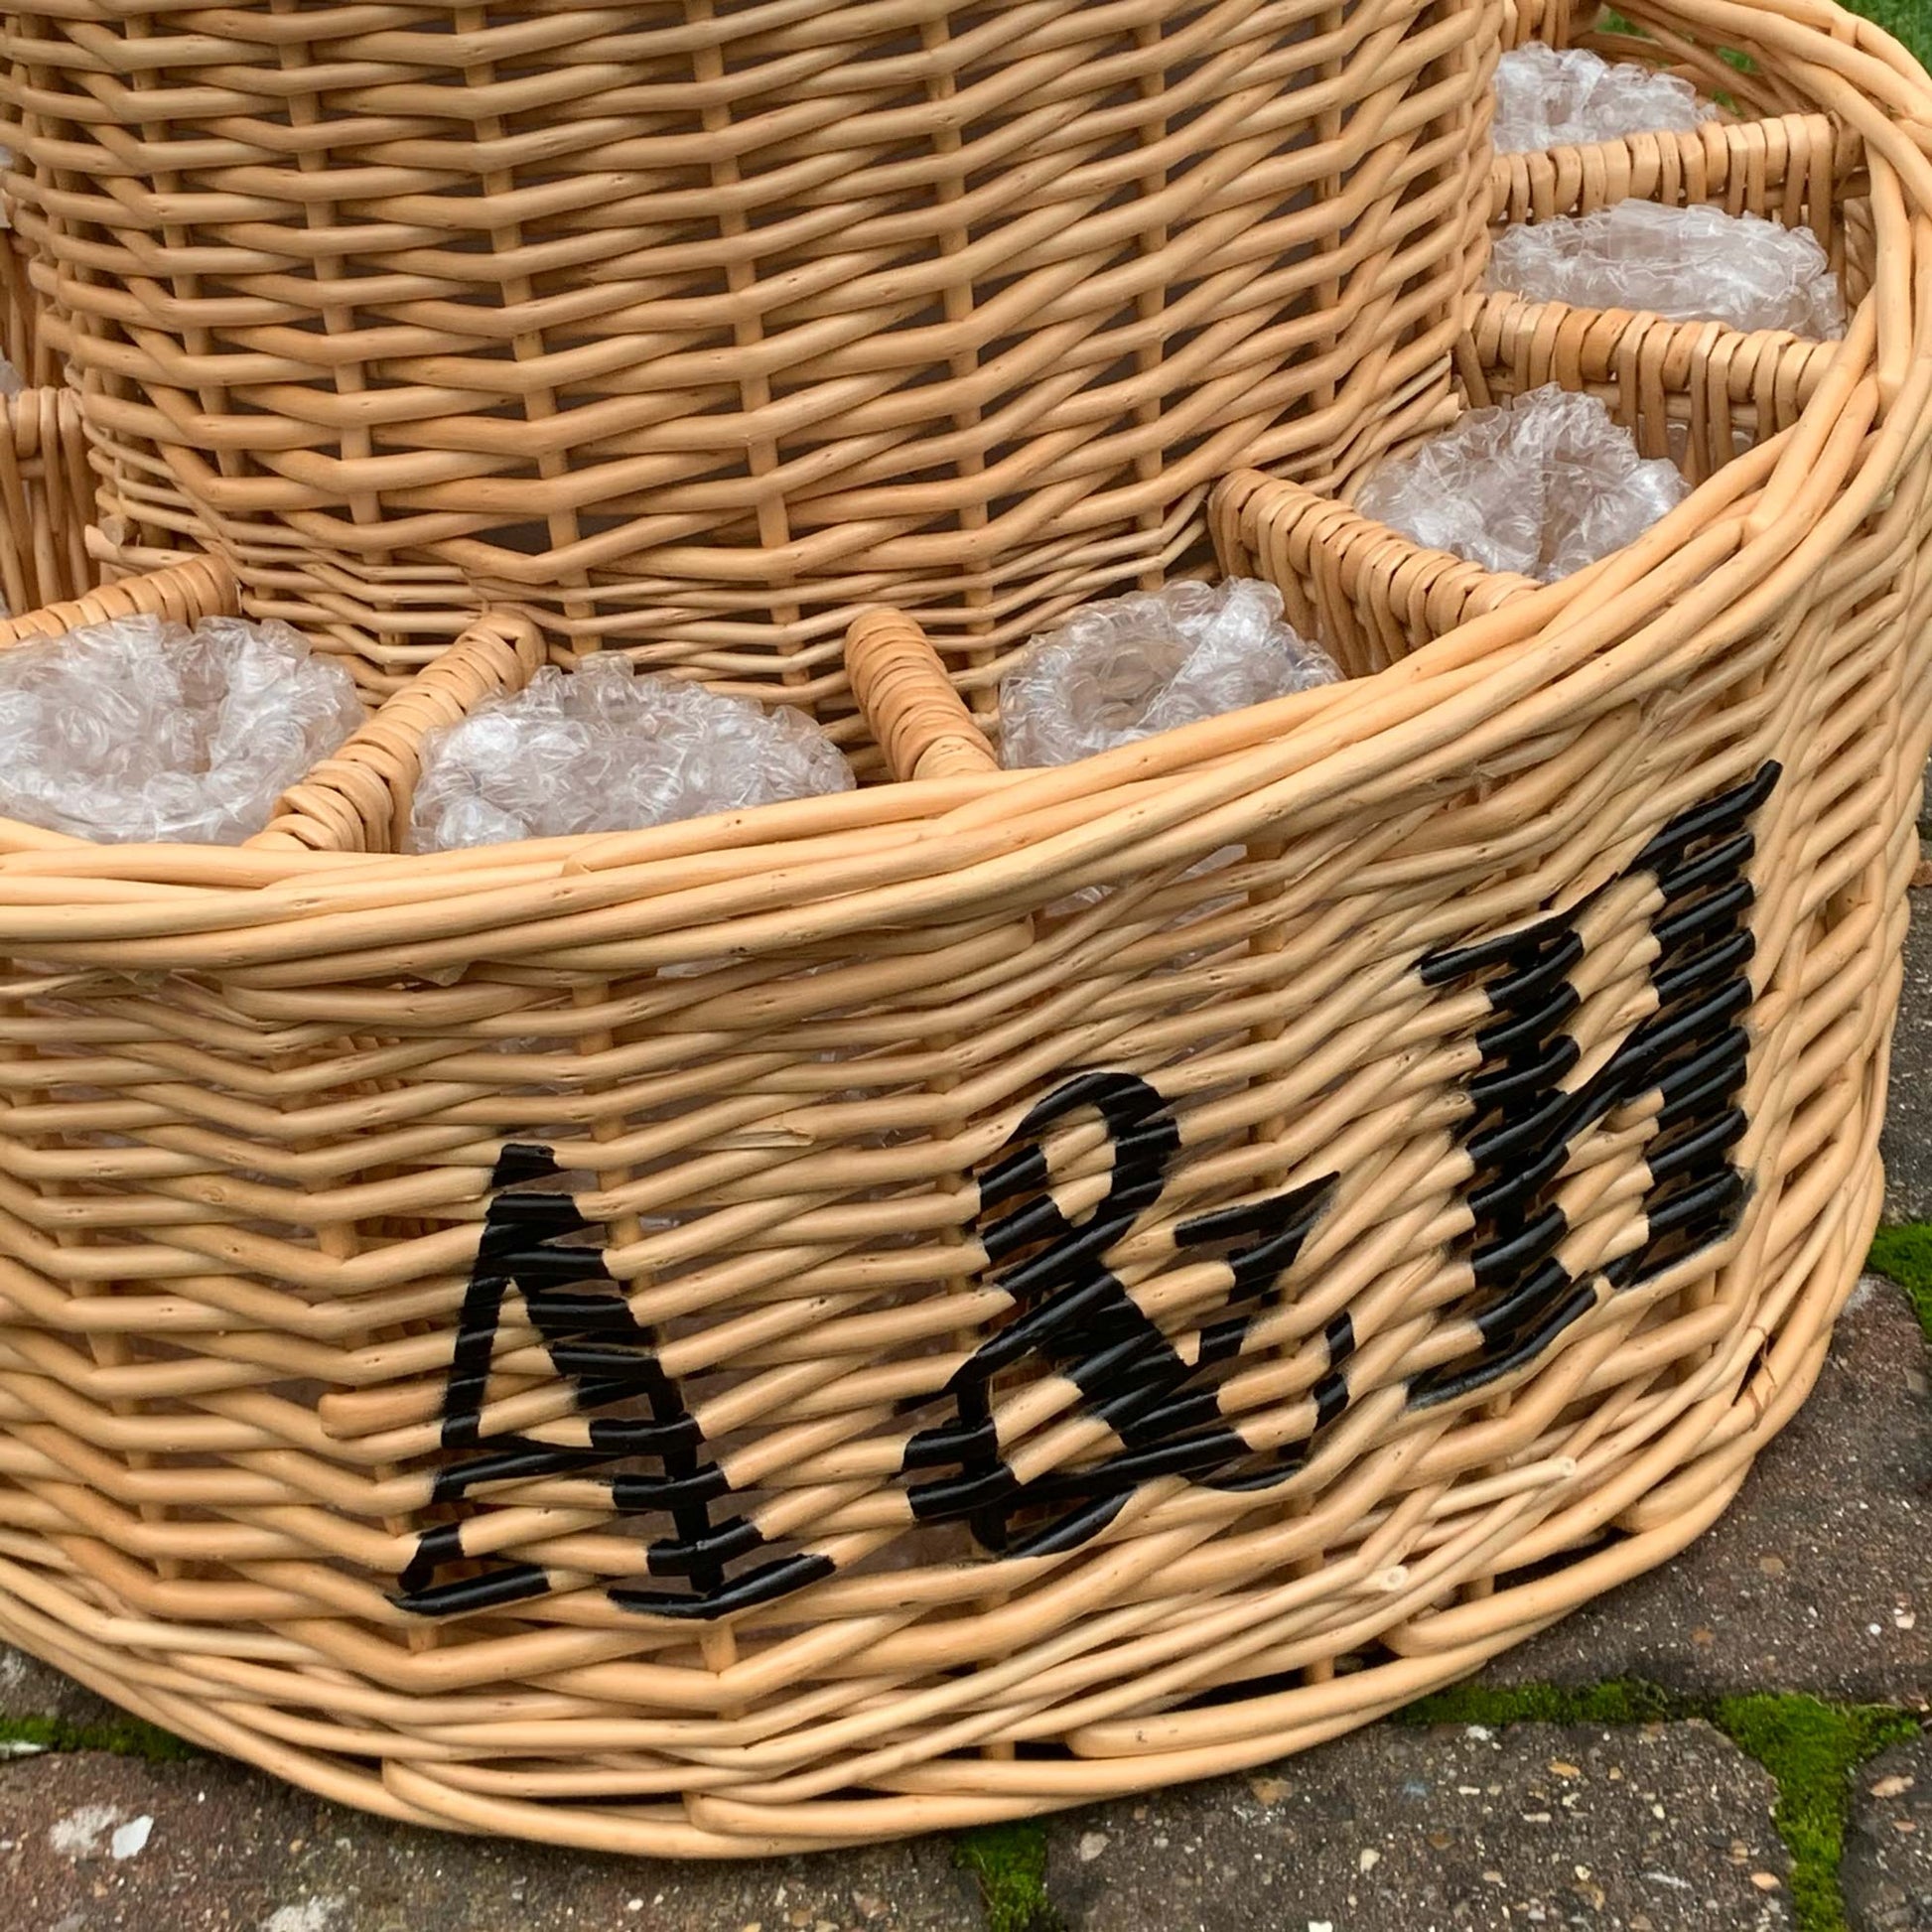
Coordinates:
699 330
1061 1282
47 489
21 338
46 496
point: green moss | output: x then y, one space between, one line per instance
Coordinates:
125 1737
1904 1255
1010 1863
1908 20
1810 1747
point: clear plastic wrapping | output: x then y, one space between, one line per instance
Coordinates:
605 750
1687 264
1560 97
138 728
1542 485
1130 666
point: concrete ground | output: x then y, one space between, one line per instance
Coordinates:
1729 1743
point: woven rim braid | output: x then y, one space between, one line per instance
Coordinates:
995 1290
700 333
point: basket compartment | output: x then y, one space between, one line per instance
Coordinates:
1697 393
354 800
1801 170
965 316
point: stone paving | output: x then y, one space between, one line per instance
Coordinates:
1887 1871
1647 1826
1819 1580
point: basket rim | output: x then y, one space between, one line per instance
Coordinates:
940 831
782 875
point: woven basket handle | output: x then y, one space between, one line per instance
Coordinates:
916 716
360 799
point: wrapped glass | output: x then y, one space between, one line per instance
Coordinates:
1540 486
606 749
1130 666
138 728
1687 264
1567 96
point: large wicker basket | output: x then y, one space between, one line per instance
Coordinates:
995 1290
699 329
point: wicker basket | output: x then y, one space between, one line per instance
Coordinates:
1000 1289
47 490
753 317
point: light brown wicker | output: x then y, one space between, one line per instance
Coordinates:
1000 1289
46 500
700 328
1696 392
47 490
20 340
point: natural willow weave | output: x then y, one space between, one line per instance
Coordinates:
1061 1282
47 490
698 330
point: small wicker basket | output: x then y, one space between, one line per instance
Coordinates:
753 316
1000 1289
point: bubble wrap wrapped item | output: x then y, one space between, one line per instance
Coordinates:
1130 666
137 729
1542 485
604 749
1563 98
1687 264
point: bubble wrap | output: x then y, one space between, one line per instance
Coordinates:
140 730
1131 666
1687 264
1543 486
1560 97
603 750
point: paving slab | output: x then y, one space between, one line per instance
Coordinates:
1887 1870
1820 1575
92 1842
31 1688
1907 1139
1657 1828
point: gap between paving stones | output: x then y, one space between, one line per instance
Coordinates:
1811 1749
